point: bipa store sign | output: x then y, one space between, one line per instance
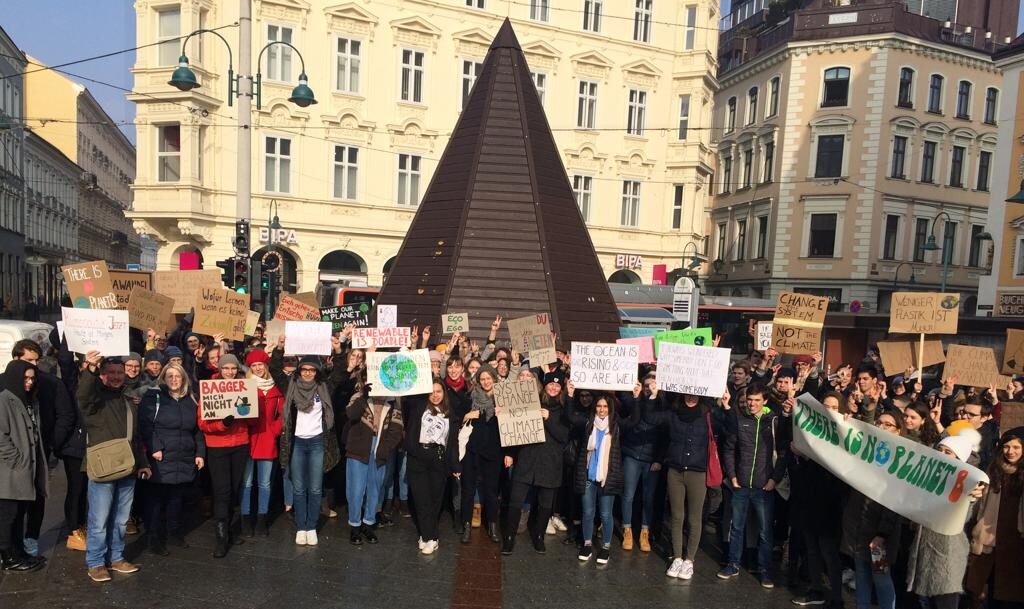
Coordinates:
629 261
278 235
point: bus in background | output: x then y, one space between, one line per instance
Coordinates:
334 294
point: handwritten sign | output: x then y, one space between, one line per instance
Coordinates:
307 337
924 312
221 311
701 337
148 309
387 316
102 330
646 346
342 315
764 335
124 282
273 330
694 370
638 331
219 398
382 338
89 285
1013 354
898 355
454 322
973 367
520 421
532 335
798 321
252 319
608 367
402 373
290 309
183 286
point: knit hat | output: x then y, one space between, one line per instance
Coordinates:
898 380
1017 433
488 369
960 445
436 356
133 357
192 335
556 376
785 373
257 356
957 427
173 352
154 355
227 359
310 360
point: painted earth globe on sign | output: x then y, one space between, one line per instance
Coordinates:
398 372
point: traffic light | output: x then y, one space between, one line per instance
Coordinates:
255 284
227 271
242 238
241 276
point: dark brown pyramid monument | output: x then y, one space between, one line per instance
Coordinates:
499 231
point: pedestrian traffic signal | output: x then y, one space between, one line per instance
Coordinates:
242 238
227 271
241 267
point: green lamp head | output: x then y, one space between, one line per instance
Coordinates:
302 95
930 245
183 77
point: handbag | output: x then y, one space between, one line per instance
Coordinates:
714 469
111 460
464 433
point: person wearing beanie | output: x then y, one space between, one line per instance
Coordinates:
480 466
436 361
263 448
174 355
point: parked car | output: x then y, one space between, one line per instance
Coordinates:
11 331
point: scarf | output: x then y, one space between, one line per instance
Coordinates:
264 384
484 402
456 384
302 393
600 444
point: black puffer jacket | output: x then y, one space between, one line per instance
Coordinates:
755 448
541 464
645 441
169 426
69 426
688 432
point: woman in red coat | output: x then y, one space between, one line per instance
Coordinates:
263 449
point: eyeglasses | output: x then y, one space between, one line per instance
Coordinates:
887 425
309 370
970 415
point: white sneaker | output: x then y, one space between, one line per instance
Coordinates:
687 571
559 525
551 530
420 543
429 547
675 568
311 539
300 538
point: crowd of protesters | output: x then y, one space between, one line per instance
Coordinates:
611 464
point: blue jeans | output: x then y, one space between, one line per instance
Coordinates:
592 494
763 503
110 504
635 471
387 487
289 488
307 469
263 467
868 578
362 482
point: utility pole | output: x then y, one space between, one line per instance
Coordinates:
243 206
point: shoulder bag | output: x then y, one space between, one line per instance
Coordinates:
111 460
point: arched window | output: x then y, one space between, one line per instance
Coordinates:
837 87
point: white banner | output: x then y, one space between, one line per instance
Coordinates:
382 338
402 373
764 335
307 337
102 330
692 369
603 366
915 481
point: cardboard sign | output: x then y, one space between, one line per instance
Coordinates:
700 337
221 311
219 398
382 338
183 286
252 319
1013 415
798 321
603 366
520 421
454 322
271 332
342 315
532 335
89 285
148 309
898 355
289 309
402 373
646 346
973 367
387 316
307 298
307 337
102 330
924 312
1013 354
694 370
125 281
764 335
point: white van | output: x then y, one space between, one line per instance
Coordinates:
11 331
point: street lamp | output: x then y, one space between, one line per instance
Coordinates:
695 260
896 274
931 245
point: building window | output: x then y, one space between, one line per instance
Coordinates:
168 153
642 20
677 207
748 167
892 227
956 167
1018 264
720 255
984 166
935 93
769 162
726 174
920 238
592 15
412 76
948 241
752 106
168 33
905 99
762 237
539 10
829 163
582 187
409 179
773 96
630 203
277 165
346 171
690 28
823 236
684 116
586 111
636 109
928 162
730 115
470 72
476 3
279 57
837 87
991 100
963 100
540 80
347 65
899 157
974 256
741 239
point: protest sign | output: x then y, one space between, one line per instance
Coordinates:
973 367
700 337
1013 354
603 366
692 369
307 298
307 337
148 309
342 315
124 282
924 312
532 335
402 373
645 344
520 421
387 316
89 285
1012 415
898 355
638 331
273 330
764 335
182 286
221 311
798 321
252 319
911 479
219 398
102 330
382 338
454 322
289 309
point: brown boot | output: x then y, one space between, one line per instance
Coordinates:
76 540
627 539
645 540
475 521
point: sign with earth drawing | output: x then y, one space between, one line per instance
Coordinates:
402 373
